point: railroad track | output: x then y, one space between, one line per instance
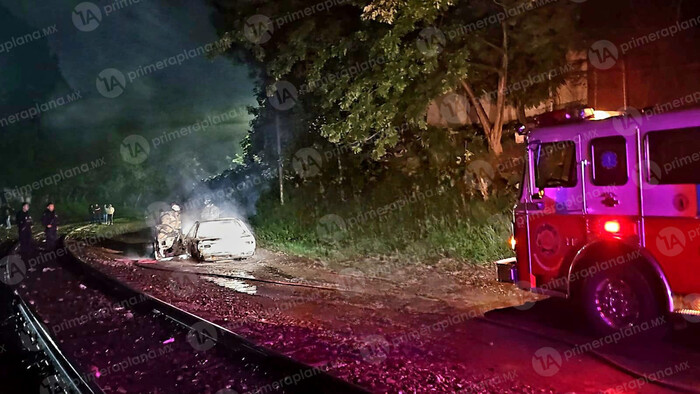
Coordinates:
41 361
213 358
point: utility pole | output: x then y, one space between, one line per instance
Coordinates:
280 170
595 88
624 82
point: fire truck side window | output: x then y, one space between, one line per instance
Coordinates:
674 156
555 164
609 161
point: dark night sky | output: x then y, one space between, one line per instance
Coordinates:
136 35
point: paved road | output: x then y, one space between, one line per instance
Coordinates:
674 358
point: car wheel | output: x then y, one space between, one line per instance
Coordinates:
621 298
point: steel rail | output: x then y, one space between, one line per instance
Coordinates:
59 360
62 363
318 382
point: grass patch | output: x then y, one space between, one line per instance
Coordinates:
121 226
479 236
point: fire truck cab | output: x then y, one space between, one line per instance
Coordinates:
609 216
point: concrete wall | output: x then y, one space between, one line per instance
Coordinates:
453 109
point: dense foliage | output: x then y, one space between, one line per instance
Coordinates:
369 69
359 159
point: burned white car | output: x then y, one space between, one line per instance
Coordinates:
220 239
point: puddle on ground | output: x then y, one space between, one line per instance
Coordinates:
235 284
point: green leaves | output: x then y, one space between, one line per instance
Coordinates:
371 68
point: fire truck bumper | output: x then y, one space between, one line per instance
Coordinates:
506 270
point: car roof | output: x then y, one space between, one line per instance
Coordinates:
220 220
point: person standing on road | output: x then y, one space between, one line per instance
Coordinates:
24 226
110 214
104 214
97 213
50 221
7 216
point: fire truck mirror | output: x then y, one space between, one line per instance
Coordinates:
539 195
532 152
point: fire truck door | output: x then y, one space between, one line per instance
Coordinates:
670 193
556 225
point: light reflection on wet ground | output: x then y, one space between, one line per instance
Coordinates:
235 284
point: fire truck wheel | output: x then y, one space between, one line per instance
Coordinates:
621 298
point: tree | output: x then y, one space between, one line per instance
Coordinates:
370 69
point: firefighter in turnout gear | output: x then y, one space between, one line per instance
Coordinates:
168 240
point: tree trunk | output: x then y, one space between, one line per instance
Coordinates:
480 112
493 132
497 130
522 117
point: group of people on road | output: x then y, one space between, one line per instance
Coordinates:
49 219
104 214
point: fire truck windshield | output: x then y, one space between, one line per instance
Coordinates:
555 164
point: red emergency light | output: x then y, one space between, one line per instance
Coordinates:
612 226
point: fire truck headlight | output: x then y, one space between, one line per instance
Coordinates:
512 242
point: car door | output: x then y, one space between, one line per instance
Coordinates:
190 240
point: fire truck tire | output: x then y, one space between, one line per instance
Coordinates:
619 299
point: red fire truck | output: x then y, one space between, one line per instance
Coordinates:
609 215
